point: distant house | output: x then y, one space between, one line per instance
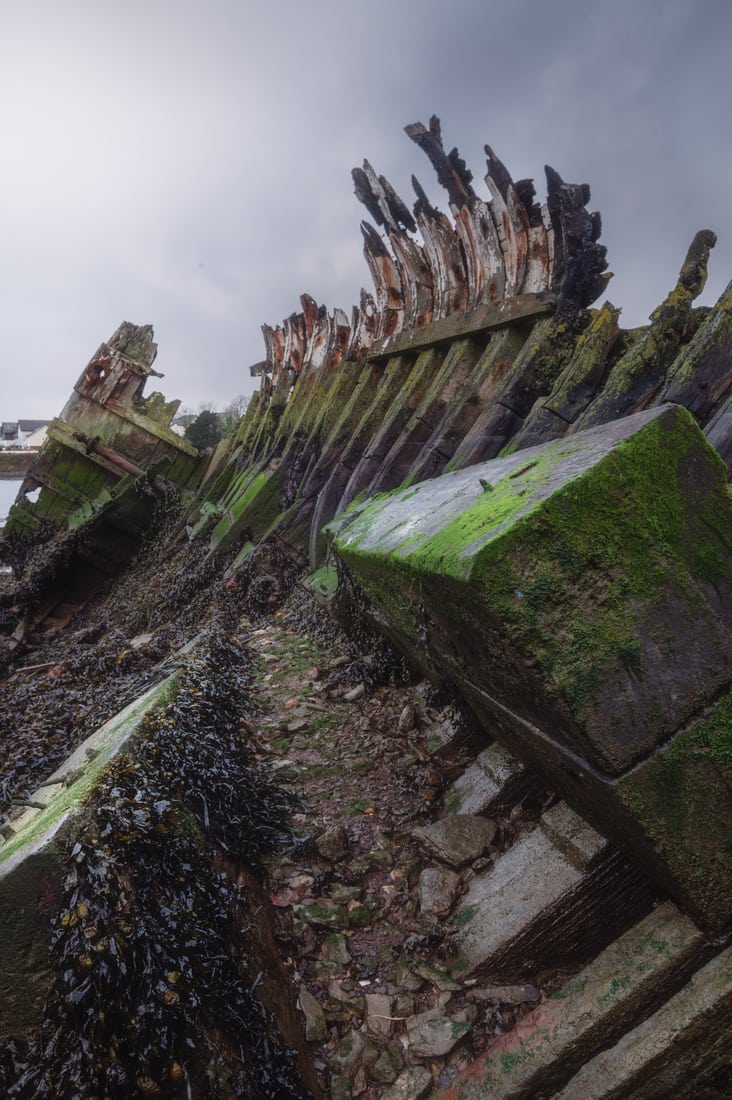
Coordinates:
10 434
23 434
34 439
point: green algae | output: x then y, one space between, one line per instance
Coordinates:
617 537
451 549
253 511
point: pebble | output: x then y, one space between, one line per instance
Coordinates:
332 844
438 889
379 1013
412 1084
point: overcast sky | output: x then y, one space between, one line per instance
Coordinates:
186 163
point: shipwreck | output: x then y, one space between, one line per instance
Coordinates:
514 516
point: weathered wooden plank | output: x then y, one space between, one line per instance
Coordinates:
488 316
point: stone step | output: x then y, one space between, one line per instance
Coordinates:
624 983
678 1048
493 783
554 895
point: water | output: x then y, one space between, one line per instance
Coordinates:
8 492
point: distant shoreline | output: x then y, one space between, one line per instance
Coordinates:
14 465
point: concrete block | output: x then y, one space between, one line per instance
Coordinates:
541 893
550 1043
496 781
687 1039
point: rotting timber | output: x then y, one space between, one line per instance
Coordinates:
532 505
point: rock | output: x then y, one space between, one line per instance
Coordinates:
506 994
318 968
360 916
496 779
432 1038
369 862
437 977
438 889
332 844
413 1084
334 949
387 1066
339 995
457 839
407 978
360 1081
316 1028
353 1051
321 914
340 1088
305 937
407 719
354 693
379 1013
344 895
404 1005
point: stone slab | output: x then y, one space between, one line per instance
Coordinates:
457 839
494 781
687 1039
555 1039
526 885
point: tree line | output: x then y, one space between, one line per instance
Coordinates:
207 427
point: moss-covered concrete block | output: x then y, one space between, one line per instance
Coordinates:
577 594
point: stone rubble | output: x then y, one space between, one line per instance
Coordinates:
371 904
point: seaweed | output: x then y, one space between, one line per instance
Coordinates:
154 993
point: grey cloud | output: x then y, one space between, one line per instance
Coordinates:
189 165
